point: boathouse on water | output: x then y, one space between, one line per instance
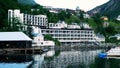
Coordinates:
14 40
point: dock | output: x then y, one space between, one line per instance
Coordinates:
22 51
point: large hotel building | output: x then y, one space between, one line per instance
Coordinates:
27 19
68 36
71 35
74 33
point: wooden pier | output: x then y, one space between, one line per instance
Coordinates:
22 51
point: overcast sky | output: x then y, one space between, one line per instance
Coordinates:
72 4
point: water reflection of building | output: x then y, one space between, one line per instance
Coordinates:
73 58
50 53
39 59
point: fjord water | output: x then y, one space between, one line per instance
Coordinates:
71 58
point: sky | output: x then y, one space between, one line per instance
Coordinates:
72 4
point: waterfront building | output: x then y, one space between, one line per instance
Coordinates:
73 33
39 41
38 38
14 40
69 35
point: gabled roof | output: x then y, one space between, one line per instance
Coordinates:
14 36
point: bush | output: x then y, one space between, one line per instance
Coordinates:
48 37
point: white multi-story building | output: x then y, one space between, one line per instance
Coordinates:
15 14
70 35
39 20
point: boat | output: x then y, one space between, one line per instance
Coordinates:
113 52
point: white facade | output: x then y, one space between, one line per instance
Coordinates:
100 38
53 11
105 24
116 35
73 26
60 24
39 41
86 15
118 18
70 35
85 25
15 14
39 20
38 38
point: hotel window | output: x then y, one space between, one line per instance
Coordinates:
81 31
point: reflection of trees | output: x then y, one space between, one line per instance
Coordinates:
99 63
114 63
57 52
106 63
49 58
76 66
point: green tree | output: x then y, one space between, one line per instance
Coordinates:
62 15
72 19
48 37
110 30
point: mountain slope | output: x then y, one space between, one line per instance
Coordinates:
28 2
110 9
